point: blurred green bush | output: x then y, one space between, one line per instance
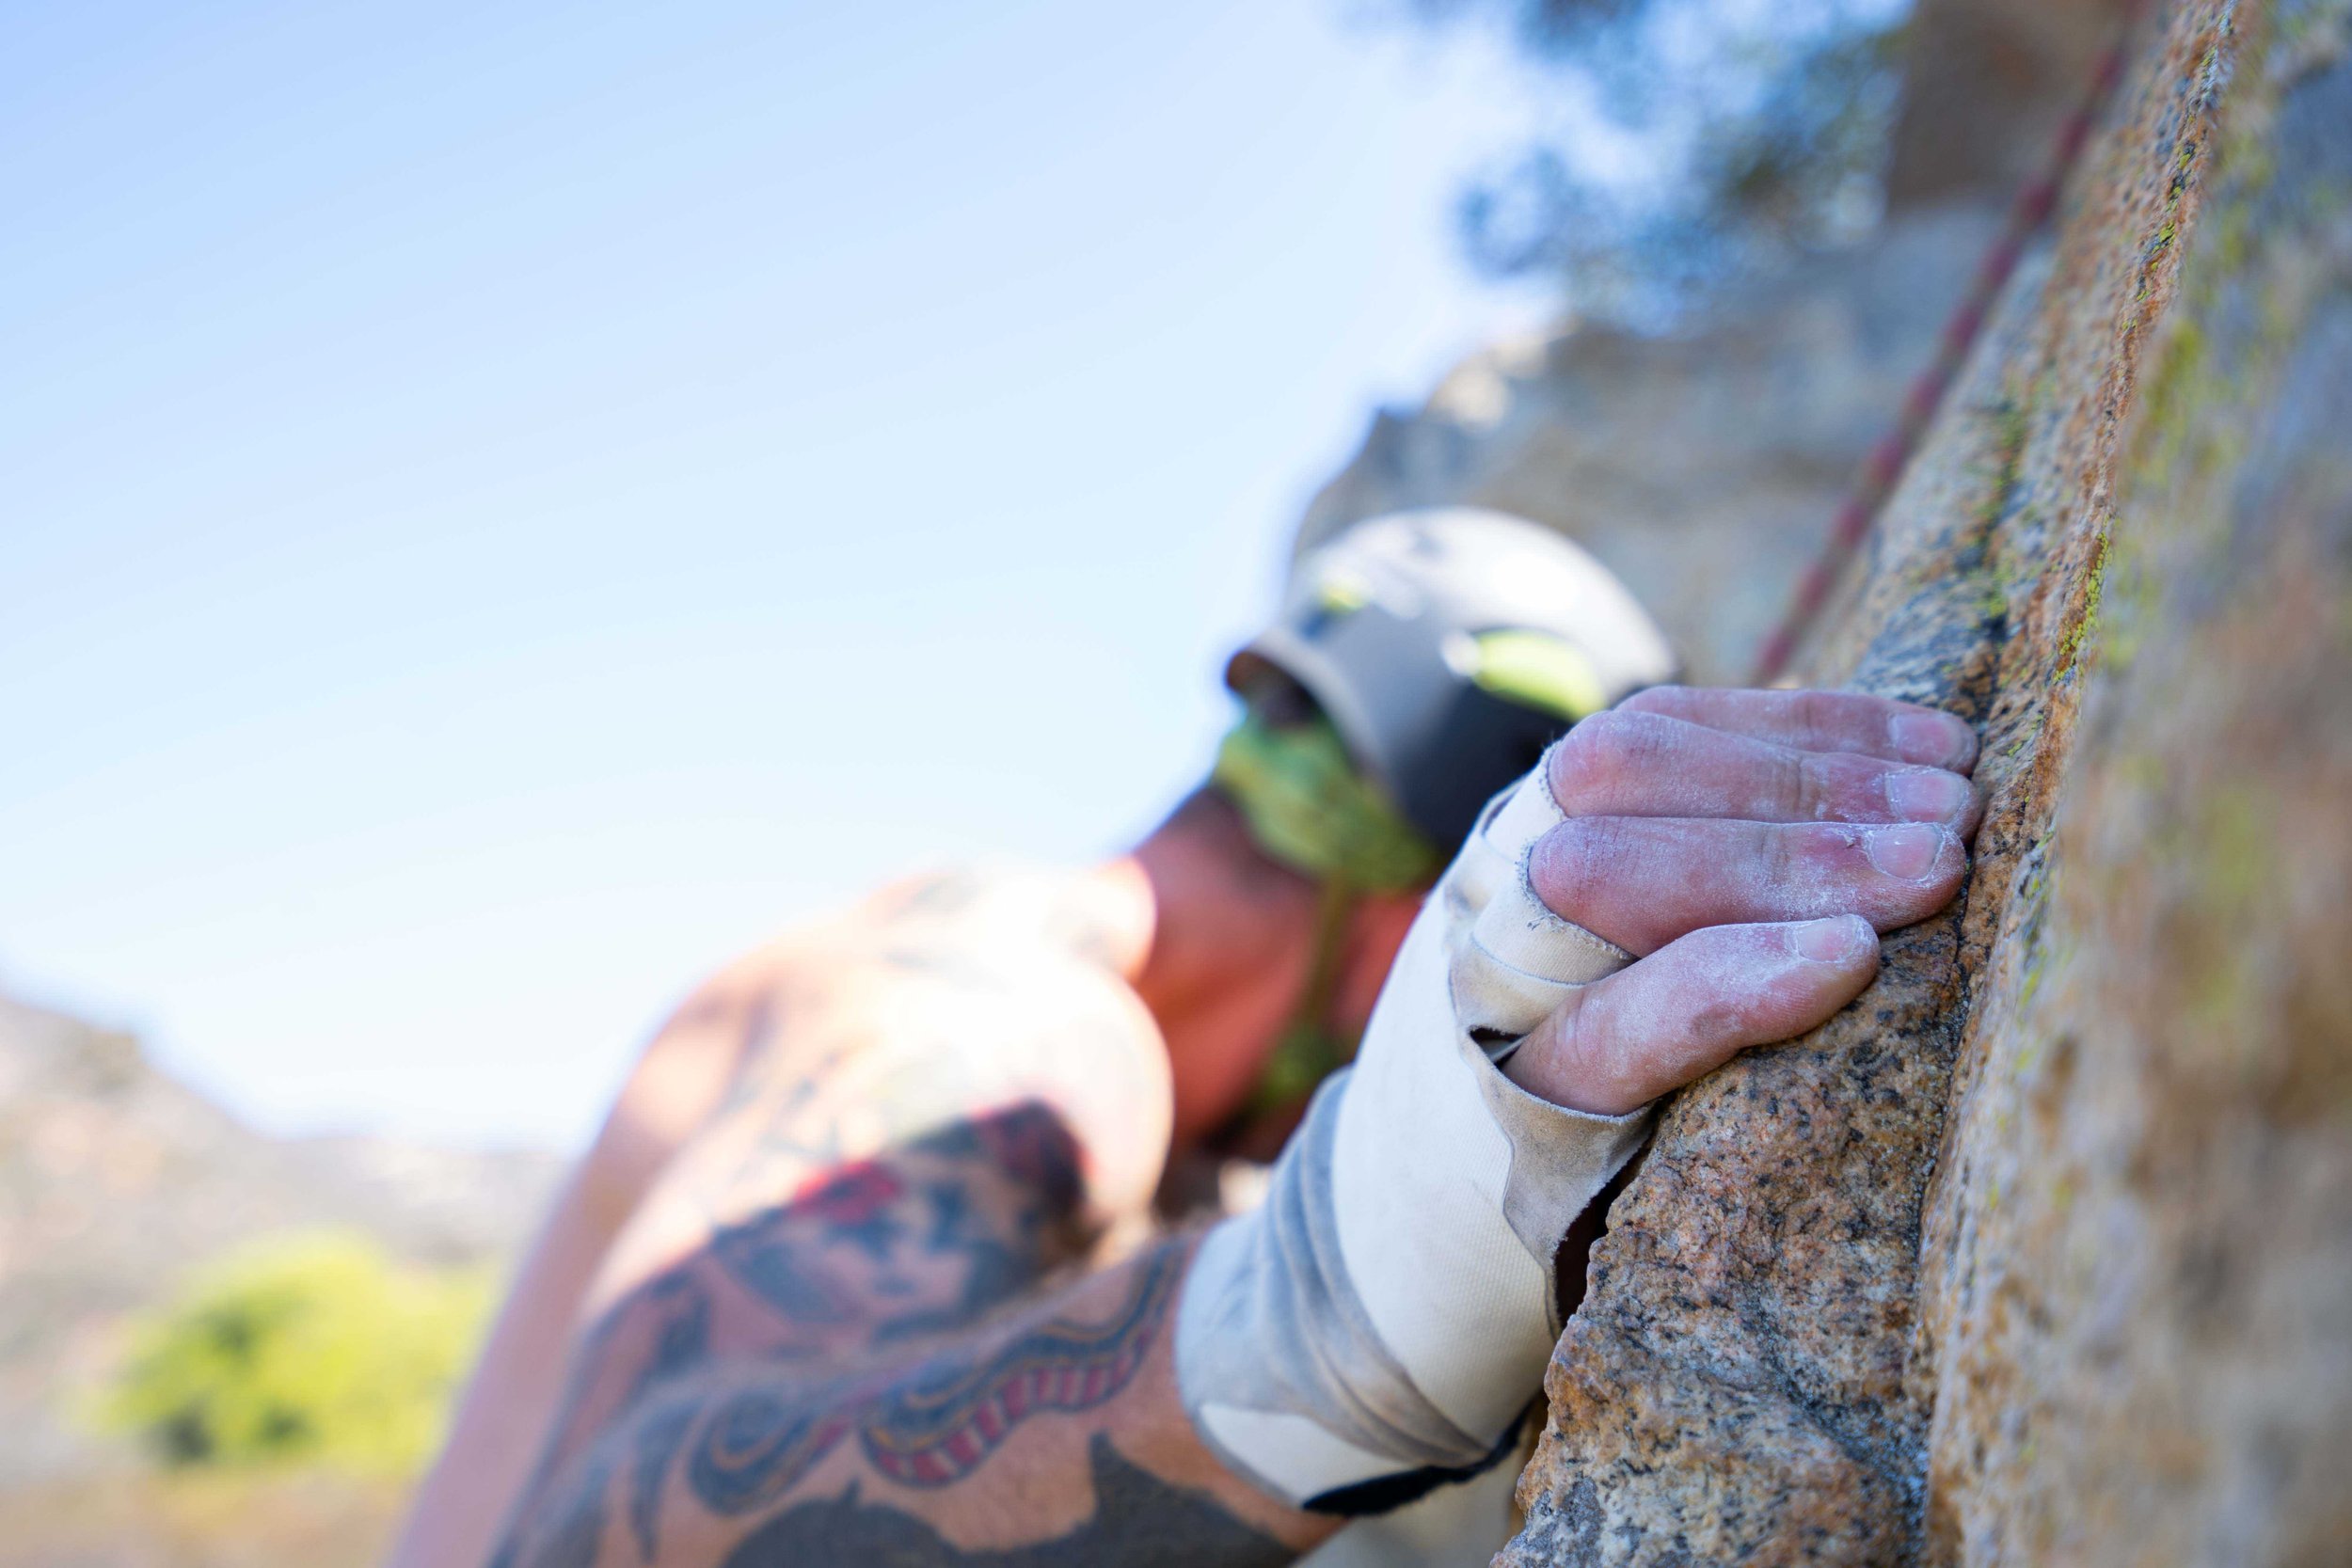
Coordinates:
315 1349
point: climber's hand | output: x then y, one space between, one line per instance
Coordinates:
1746 847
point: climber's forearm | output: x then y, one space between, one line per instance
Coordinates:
1053 1437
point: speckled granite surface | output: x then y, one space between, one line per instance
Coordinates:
2041 1252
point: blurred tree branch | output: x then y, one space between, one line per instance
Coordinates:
1681 145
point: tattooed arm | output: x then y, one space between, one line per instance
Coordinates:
808 1357
930 1108
1052 1437
771 1070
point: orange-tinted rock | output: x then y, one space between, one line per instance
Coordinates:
2043 1251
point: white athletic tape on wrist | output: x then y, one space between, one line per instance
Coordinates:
1389 1308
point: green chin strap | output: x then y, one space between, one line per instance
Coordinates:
1309 808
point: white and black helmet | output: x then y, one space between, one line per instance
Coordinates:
1450 646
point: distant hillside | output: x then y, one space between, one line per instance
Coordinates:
116 1179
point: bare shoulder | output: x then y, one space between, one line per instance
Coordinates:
1002 917
940 999
1055 909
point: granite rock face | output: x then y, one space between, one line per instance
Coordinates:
2042 1251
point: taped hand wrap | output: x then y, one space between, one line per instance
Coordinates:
1386 1316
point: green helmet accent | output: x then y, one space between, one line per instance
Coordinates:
1309 807
1537 669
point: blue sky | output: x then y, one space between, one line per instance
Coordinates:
504 505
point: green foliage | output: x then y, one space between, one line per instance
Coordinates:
312 1350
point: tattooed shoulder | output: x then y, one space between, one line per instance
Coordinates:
1006 900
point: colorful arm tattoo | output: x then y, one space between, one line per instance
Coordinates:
745 1448
934 1425
867 1217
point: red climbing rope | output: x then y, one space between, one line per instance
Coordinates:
1888 460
